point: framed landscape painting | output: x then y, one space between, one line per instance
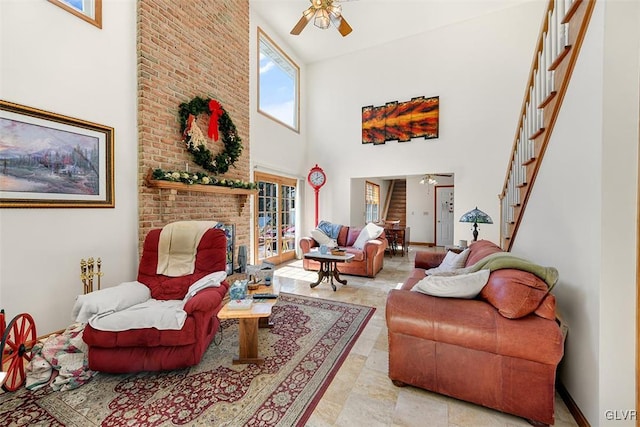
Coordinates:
52 161
87 10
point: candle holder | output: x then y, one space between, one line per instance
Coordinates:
89 269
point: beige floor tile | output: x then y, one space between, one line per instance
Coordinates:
363 410
418 409
325 414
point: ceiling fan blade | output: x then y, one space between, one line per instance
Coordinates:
306 17
344 27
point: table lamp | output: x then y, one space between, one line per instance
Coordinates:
476 216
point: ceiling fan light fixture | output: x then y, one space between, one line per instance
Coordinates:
324 13
428 179
322 19
335 9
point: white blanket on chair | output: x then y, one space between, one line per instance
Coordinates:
152 313
130 306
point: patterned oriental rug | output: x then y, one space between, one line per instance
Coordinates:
303 351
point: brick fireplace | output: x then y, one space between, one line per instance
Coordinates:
188 49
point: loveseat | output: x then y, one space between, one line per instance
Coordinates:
152 349
499 349
367 261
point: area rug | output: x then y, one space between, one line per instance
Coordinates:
303 351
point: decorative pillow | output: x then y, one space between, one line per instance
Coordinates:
322 239
458 286
452 261
369 232
352 235
515 293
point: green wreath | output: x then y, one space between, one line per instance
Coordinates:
229 134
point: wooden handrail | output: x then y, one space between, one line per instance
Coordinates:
561 35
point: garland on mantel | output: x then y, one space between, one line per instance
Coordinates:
200 178
219 121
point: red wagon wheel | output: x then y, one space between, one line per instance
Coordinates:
17 342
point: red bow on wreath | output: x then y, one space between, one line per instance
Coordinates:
216 111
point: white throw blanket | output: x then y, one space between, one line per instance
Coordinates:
152 313
178 245
130 306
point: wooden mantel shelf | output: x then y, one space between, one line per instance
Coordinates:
200 188
175 187
180 186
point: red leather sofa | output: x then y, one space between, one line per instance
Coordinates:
499 350
366 262
150 349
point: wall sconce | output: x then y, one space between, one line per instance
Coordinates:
476 216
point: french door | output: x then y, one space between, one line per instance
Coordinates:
274 218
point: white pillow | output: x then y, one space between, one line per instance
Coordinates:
458 286
452 261
369 232
109 299
322 239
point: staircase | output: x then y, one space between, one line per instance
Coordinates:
396 204
563 30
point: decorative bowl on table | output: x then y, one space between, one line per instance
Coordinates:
338 251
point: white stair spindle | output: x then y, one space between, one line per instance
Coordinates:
553 31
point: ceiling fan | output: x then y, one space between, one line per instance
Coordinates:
430 178
323 12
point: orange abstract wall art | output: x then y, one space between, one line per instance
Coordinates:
401 121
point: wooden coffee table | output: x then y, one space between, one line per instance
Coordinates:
328 267
249 322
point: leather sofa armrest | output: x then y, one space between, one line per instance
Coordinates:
374 246
428 260
306 243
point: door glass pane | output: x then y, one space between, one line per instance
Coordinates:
267 220
287 218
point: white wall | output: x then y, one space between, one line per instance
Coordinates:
54 61
581 216
478 69
275 148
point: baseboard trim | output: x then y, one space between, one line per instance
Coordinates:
421 244
581 420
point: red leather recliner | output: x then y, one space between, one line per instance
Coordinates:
150 349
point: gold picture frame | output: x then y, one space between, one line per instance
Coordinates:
48 160
87 10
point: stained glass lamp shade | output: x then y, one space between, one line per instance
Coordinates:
476 216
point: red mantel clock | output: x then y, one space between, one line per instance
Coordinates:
316 179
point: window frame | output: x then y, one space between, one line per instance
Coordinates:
284 57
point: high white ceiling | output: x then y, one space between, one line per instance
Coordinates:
374 22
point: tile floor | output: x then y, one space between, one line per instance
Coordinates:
361 393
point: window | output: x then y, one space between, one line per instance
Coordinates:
372 202
278 88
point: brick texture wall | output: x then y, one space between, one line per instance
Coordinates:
190 48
